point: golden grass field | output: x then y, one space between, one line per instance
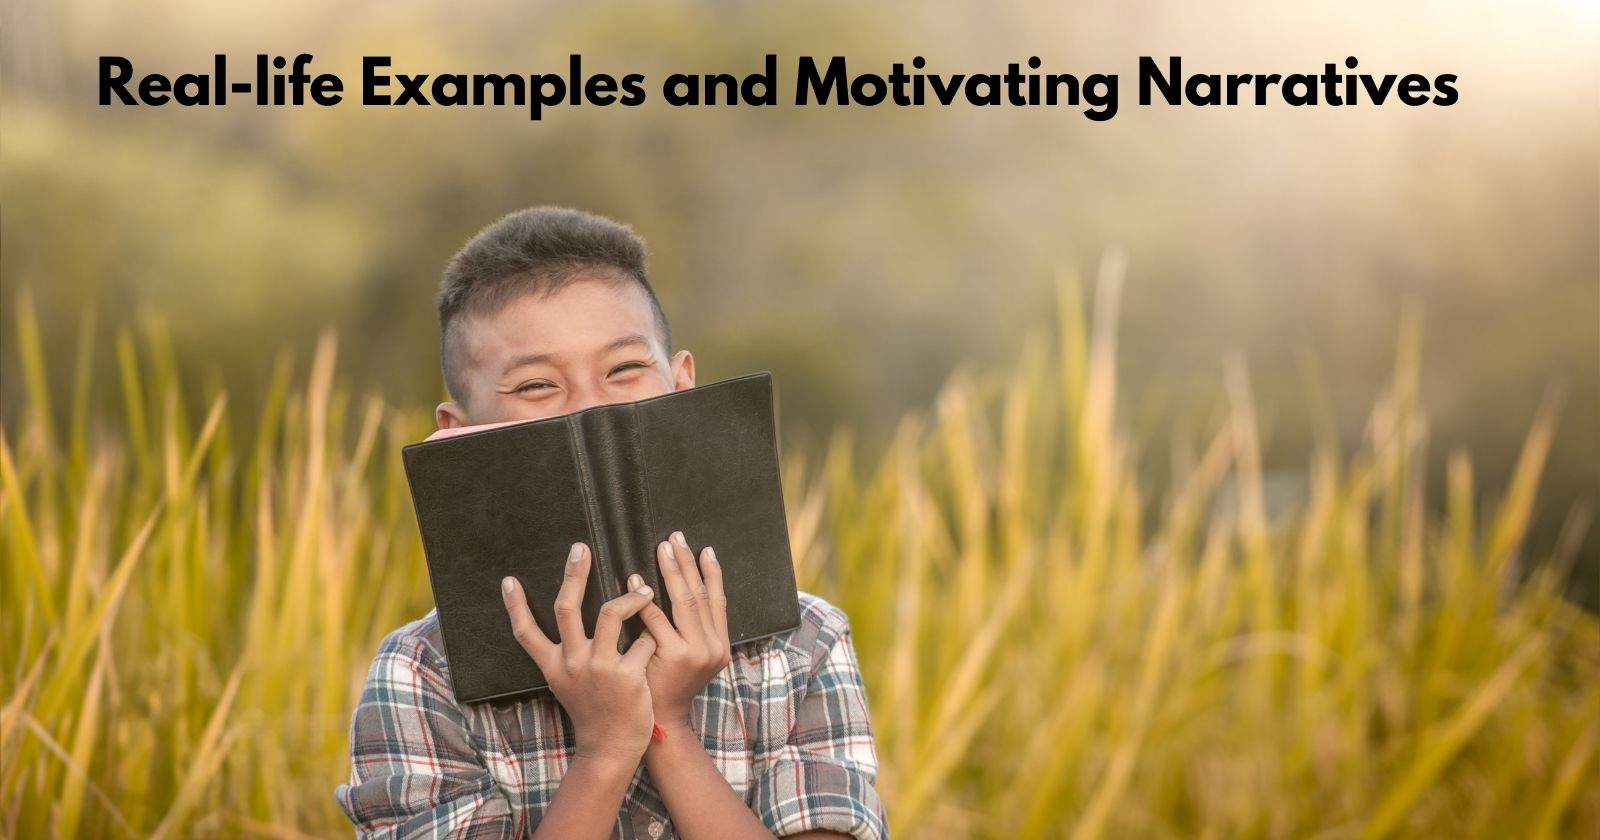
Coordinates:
1050 649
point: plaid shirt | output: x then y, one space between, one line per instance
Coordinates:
786 724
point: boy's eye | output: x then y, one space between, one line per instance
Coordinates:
529 387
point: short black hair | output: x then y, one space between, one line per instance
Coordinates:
535 250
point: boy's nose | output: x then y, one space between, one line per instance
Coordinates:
587 397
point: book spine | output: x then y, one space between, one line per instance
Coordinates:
599 549
614 465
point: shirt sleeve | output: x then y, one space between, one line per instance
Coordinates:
824 778
414 771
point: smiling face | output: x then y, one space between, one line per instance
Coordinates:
591 342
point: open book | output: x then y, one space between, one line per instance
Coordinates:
511 499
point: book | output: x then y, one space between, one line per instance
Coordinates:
511 499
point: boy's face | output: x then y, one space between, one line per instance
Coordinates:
591 343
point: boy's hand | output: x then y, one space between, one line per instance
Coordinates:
603 691
689 655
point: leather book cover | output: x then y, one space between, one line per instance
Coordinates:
511 500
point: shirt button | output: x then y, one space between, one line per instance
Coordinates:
655 829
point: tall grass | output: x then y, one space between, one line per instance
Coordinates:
1050 650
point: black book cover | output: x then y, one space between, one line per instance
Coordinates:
511 500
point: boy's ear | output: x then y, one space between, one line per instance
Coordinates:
451 415
682 370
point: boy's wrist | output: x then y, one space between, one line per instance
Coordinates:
675 723
605 764
674 732
671 718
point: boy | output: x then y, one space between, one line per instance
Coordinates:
545 312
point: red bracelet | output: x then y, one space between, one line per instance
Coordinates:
657 734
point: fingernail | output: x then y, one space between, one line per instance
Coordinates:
711 554
643 590
506 584
634 581
575 553
664 550
677 537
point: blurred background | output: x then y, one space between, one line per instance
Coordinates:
1170 553
859 253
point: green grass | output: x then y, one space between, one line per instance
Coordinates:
1050 650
